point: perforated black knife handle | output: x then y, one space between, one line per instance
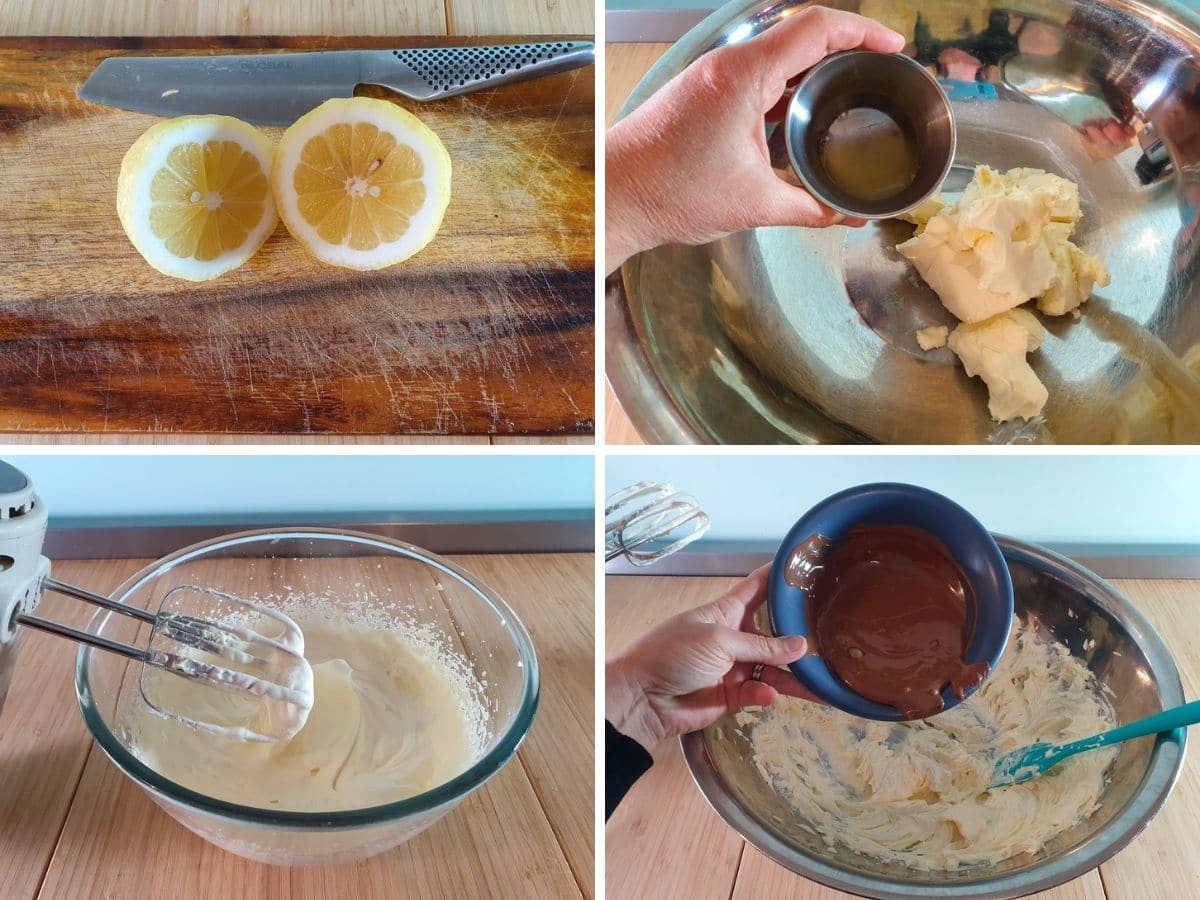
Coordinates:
450 71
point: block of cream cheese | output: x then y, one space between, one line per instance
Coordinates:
1002 244
995 351
933 337
1062 195
926 211
1078 273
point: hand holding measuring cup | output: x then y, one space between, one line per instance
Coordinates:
691 164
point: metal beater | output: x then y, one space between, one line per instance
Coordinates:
223 649
648 521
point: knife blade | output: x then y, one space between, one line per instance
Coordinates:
278 88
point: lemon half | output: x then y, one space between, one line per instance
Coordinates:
361 183
194 195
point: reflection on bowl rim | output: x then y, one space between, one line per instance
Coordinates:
1166 762
448 792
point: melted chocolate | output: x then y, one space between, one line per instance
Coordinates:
887 606
806 560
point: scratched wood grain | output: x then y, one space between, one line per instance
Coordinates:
488 331
664 840
71 825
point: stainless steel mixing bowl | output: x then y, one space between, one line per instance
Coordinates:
1077 608
793 335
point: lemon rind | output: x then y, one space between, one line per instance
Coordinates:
144 159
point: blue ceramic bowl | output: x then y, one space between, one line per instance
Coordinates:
896 504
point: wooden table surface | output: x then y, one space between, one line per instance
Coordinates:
301 17
664 840
72 826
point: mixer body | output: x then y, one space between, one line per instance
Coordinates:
23 569
205 636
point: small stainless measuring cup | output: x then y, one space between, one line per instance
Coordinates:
870 135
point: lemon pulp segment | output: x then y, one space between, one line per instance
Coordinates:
357 185
362 183
194 195
206 199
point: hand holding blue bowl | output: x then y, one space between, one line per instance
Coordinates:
969 544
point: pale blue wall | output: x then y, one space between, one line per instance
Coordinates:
95 489
1056 499
1049 499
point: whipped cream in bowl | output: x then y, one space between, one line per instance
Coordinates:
424 684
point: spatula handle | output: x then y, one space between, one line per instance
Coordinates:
1167 720
450 71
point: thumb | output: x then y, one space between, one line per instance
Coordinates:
751 647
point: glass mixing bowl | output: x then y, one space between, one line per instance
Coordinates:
392 578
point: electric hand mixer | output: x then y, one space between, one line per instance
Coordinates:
265 678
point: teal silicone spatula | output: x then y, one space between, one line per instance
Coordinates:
1036 759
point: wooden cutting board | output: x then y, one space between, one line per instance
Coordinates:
489 330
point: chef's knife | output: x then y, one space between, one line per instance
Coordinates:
278 88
